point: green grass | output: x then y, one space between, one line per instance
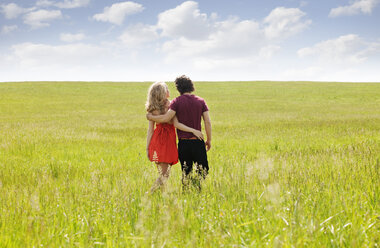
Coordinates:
292 164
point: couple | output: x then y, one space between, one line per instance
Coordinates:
184 113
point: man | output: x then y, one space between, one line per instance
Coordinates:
189 110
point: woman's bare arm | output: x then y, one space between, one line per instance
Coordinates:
185 128
161 118
149 136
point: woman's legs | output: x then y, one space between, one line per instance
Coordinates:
164 172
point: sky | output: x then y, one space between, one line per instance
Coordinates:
208 40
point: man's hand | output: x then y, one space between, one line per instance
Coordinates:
208 145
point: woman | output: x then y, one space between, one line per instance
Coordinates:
161 144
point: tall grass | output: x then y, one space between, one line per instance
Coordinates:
291 164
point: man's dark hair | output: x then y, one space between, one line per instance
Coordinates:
184 84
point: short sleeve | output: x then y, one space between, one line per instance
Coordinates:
174 105
204 106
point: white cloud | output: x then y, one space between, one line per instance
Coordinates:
268 51
208 64
66 4
12 10
67 37
184 21
308 73
8 28
233 39
346 49
227 42
40 55
355 73
75 61
44 3
40 18
72 4
139 34
284 22
117 12
357 7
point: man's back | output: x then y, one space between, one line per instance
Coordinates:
189 109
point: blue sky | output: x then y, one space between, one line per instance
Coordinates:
92 40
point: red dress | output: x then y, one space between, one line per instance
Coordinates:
163 147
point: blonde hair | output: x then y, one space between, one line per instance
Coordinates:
156 99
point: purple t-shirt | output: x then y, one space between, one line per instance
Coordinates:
189 110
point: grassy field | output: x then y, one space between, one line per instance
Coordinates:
292 164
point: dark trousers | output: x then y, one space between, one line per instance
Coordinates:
193 156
